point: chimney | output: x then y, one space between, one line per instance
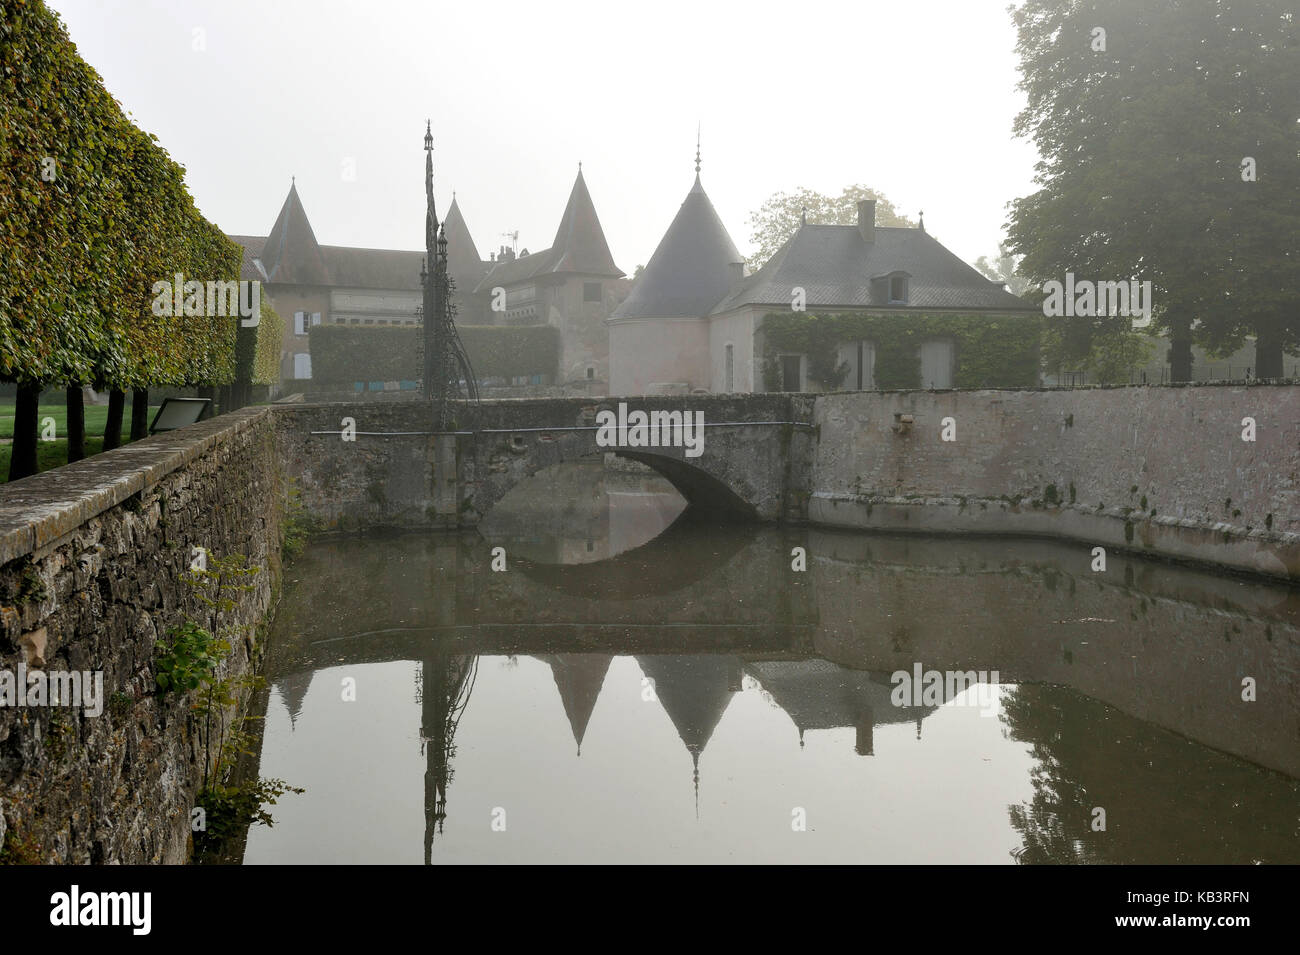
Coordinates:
867 219
737 272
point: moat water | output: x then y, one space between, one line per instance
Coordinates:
639 686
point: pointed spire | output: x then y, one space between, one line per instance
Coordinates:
291 253
697 149
695 759
463 260
580 244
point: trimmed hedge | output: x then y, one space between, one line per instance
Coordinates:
92 213
349 353
991 351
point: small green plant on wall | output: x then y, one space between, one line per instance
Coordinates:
191 661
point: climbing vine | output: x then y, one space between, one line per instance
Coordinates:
991 351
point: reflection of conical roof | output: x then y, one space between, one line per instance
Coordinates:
580 244
694 690
691 270
579 677
291 254
293 690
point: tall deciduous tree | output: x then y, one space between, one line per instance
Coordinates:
1145 115
1002 268
780 214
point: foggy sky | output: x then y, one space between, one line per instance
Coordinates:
911 97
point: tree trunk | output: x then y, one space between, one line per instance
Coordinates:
139 414
113 426
1268 354
224 400
1180 358
22 460
76 423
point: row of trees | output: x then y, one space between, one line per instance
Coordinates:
1167 135
93 212
1167 131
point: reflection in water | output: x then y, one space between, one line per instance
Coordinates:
686 697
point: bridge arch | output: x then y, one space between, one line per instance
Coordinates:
743 471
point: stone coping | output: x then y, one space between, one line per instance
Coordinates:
45 507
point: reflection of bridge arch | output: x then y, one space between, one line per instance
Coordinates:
664 565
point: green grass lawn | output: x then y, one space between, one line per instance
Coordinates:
96 416
53 454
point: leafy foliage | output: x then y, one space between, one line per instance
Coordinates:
1143 145
779 216
346 354
270 339
992 351
231 809
92 213
1003 269
189 660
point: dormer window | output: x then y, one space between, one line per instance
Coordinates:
898 289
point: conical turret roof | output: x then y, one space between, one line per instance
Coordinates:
691 270
463 261
580 244
291 254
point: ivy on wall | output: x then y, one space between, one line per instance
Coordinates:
346 354
991 351
93 212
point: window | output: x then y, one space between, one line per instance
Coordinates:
898 288
591 291
936 364
302 365
730 369
792 372
591 373
861 359
299 323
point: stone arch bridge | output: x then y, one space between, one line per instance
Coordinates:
396 472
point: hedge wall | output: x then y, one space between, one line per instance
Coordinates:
991 351
348 353
93 212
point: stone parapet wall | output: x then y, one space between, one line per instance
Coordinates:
92 558
1163 471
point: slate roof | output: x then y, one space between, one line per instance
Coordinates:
463 261
836 266
248 268
579 247
517 270
691 268
580 241
291 255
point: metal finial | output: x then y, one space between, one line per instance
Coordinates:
428 135
921 216
803 215
697 149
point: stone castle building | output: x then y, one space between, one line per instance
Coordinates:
574 285
693 321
